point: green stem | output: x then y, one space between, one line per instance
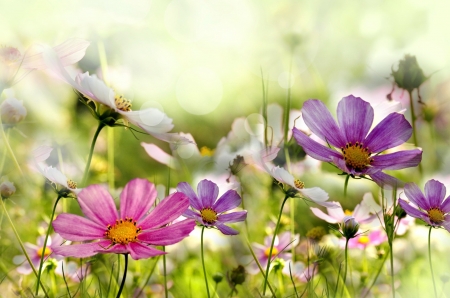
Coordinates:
346 266
91 151
2 164
429 260
45 244
413 123
203 262
376 276
110 134
122 284
260 268
269 259
8 147
346 185
391 257
22 246
288 102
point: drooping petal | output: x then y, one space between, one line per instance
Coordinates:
80 250
232 217
314 149
446 223
140 251
394 130
283 176
435 193
318 195
137 198
76 228
398 160
411 210
152 120
321 123
229 200
226 229
168 235
185 188
159 155
98 205
383 179
166 211
115 249
95 89
322 215
207 192
192 214
415 195
355 117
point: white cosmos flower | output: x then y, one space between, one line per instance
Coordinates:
12 111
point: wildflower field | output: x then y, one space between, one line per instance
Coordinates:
224 148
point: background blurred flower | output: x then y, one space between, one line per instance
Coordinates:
12 111
7 188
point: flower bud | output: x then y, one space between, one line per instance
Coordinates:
217 277
237 276
409 75
12 111
7 189
349 227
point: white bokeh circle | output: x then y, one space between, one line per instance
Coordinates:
286 80
157 117
199 90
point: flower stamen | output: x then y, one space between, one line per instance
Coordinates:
122 103
274 252
71 184
208 215
123 231
356 156
41 252
299 184
436 215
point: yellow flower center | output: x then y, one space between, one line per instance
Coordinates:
41 252
356 156
71 184
363 239
122 103
123 231
205 151
274 252
299 184
436 215
208 215
348 212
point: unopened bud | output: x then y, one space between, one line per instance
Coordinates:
217 277
7 189
350 227
12 111
237 276
409 75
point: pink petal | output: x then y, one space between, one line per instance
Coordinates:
81 250
159 155
226 229
98 205
167 210
137 198
320 214
168 235
229 200
76 228
185 188
141 251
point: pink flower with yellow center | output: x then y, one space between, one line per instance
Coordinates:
131 230
362 240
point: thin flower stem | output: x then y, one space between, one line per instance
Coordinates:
269 259
346 266
110 134
292 280
413 120
376 276
260 268
391 256
22 246
288 101
45 244
91 151
122 284
346 185
8 147
2 164
429 260
166 290
203 262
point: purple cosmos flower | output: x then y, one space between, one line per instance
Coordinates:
210 209
429 207
356 150
131 230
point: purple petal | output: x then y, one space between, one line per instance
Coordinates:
229 200
168 235
98 205
446 223
355 117
207 192
392 131
140 251
137 198
412 211
397 160
445 207
192 214
435 193
80 250
321 123
314 149
185 188
226 229
76 228
167 210
415 195
383 179
232 217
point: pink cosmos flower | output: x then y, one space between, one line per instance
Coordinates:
210 209
300 271
131 230
362 240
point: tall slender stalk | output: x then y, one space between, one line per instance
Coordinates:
413 123
346 186
122 284
429 260
45 244
269 259
260 268
91 151
346 266
8 147
203 263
